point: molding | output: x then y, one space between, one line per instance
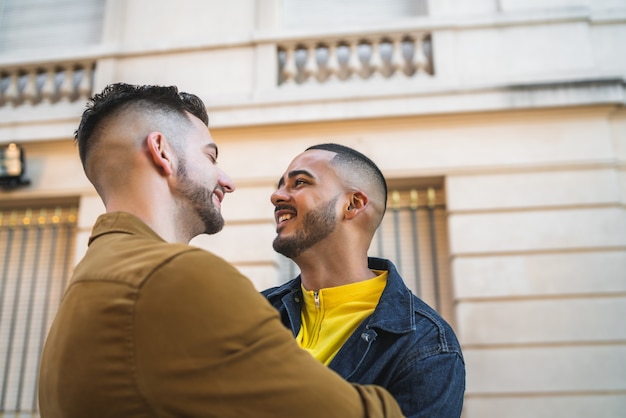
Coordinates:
532 252
34 123
359 102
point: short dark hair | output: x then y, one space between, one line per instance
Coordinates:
115 98
358 161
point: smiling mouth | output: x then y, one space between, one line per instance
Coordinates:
219 194
284 213
284 217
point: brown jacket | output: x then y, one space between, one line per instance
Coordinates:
153 329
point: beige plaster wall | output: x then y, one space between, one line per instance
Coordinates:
143 24
535 182
537 235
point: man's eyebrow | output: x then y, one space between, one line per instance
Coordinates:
293 174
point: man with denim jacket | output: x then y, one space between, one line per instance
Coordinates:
351 312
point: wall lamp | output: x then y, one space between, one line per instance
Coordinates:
12 166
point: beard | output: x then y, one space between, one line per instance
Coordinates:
316 225
201 200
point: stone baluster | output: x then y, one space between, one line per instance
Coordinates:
376 61
48 88
397 62
12 94
310 65
420 60
83 89
29 92
66 89
354 64
363 69
332 64
427 47
289 69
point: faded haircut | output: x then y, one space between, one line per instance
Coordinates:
358 162
120 97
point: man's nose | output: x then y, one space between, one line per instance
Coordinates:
226 182
279 196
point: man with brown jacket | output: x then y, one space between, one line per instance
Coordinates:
152 327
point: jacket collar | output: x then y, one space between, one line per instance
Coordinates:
121 222
395 310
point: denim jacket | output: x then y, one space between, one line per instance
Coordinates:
404 346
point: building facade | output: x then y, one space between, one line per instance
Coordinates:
499 124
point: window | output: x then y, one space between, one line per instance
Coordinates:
41 24
36 249
324 13
414 236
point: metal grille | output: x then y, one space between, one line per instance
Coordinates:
413 235
36 246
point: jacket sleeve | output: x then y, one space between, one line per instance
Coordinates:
441 374
208 344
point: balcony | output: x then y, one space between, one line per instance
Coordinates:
46 83
355 58
403 68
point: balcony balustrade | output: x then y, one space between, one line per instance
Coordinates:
52 83
318 59
351 58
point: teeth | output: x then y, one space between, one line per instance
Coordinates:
284 217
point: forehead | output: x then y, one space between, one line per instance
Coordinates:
313 163
312 160
199 132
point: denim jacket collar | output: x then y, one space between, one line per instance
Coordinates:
394 312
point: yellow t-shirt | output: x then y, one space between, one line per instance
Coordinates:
330 316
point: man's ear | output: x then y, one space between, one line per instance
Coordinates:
357 203
160 151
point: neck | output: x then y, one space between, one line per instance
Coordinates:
161 215
334 269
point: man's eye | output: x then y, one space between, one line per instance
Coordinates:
298 182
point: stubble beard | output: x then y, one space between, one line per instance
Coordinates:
201 200
316 226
